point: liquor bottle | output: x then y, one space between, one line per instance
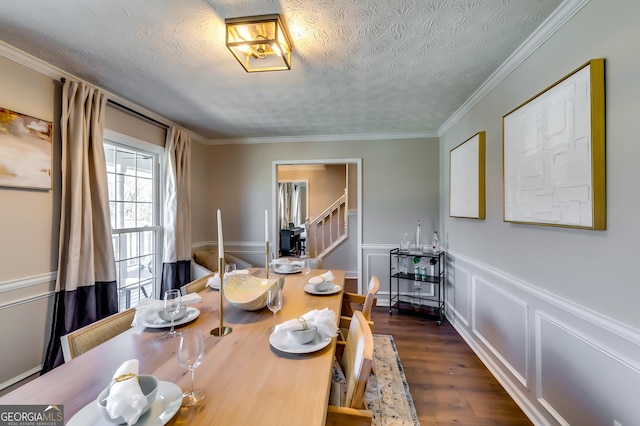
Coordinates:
434 244
418 239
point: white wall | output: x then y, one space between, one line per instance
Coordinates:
554 311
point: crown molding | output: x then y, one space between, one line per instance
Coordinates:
320 138
47 69
16 55
553 23
31 62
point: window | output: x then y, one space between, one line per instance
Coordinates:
133 176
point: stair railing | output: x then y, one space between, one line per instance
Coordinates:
328 229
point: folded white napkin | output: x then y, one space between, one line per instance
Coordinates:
214 281
125 398
324 319
326 277
147 309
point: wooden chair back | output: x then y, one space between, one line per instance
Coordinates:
370 300
357 360
315 262
365 302
90 336
195 286
347 405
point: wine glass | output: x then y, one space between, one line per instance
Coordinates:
306 269
229 270
272 259
274 301
190 354
172 305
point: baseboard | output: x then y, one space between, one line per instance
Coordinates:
6 386
519 398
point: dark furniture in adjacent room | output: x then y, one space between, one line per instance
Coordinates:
290 242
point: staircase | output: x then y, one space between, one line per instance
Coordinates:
328 229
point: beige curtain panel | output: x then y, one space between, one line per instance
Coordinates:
86 287
176 264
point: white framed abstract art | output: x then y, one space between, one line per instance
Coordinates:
466 178
554 154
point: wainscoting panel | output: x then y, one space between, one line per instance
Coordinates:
458 302
503 331
564 364
596 388
26 307
376 262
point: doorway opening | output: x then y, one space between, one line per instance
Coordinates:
317 192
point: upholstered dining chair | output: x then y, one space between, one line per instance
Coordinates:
347 405
314 262
365 302
80 341
195 286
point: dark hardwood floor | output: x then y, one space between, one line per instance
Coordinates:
448 382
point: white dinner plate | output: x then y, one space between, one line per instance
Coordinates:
309 288
279 270
192 313
163 408
282 342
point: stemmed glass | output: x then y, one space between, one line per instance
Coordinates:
229 270
272 259
172 305
274 301
190 356
306 270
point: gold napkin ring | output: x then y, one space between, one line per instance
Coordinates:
304 323
124 377
119 379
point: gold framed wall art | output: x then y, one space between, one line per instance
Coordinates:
554 154
25 151
467 178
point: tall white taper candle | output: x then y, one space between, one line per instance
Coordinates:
220 242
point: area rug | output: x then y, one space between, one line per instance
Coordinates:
387 394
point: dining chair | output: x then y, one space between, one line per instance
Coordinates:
314 262
80 341
365 302
195 286
346 400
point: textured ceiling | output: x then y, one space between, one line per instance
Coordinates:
365 67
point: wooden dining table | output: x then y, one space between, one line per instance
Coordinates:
246 381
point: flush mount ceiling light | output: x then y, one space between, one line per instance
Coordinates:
259 43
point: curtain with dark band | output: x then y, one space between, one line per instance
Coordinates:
176 263
86 287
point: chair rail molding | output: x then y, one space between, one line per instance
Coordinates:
25 282
605 322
